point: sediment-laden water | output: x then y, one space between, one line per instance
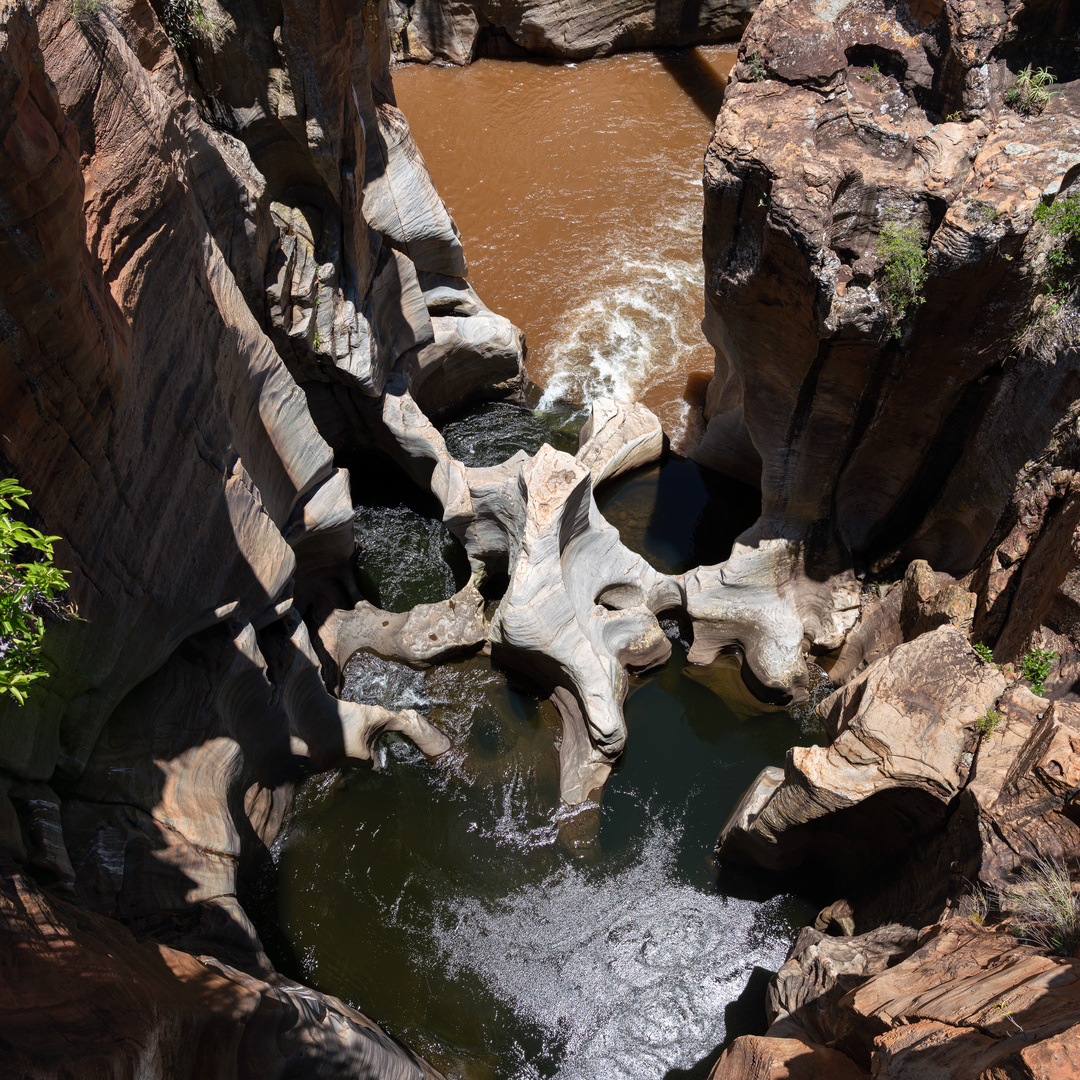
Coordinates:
577 189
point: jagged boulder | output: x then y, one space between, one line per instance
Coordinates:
901 731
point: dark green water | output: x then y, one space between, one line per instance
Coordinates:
444 902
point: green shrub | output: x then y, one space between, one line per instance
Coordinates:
984 653
186 22
82 9
904 269
755 67
28 590
979 210
1061 219
1036 665
1028 93
988 723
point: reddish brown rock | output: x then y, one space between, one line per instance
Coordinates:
1024 788
83 997
984 996
877 440
903 725
756 1057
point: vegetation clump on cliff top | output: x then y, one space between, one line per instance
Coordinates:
904 270
1028 93
1052 323
28 590
1047 908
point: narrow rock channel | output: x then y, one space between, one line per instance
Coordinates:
409 708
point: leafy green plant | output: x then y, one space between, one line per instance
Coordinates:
871 73
1036 665
755 67
1007 1013
984 652
904 269
1047 909
81 9
989 722
1028 93
28 591
1061 219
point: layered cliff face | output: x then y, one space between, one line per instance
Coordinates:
214 226
458 33
882 430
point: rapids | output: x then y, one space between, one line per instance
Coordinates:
577 189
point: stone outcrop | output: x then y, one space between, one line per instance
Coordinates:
1023 794
458 33
881 434
959 1002
944 793
80 988
901 735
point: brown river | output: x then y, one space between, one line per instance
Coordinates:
577 190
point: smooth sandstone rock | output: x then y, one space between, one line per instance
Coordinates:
579 609
757 1057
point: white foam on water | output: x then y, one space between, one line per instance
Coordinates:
628 971
620 341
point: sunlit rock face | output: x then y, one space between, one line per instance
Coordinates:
426 30
196 226
879 435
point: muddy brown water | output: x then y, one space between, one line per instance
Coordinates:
577 190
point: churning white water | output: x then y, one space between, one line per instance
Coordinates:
628 973
578 195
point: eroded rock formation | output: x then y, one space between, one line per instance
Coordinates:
458 33
209 235
880 432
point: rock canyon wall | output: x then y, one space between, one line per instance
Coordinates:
458 33
883 430
935 434
215 225
226 272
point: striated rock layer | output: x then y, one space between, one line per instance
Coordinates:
457 33
210 234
